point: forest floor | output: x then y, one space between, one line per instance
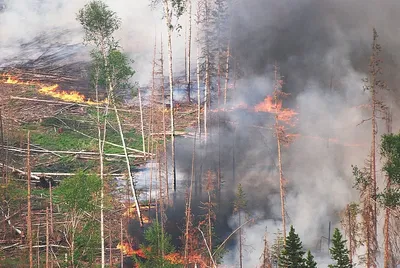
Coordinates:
63 140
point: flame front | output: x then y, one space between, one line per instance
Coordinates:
52 91
270 106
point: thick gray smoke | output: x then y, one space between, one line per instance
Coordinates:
322 48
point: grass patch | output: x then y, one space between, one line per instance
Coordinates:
64 141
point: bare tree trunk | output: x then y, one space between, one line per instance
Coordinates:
47 238
227 70
189 50
207 97
240 242
2 148
189 203
168 20
121 241
110 244
163 121
142 122
128 165
51 208
387 255
29 214
38 244
198 74
388 250
351 250
101 156
161 200
278 135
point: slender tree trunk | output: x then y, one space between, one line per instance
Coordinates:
142 122
278 135
51 208
2 148
189 50
162 216
189 204
350 234
227 69
388 253
29 214
128 165
47 238
240 242
38 244
168 20
110 244
121 242
101 156
163 121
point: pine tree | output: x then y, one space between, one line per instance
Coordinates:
309 261
239 207
292 254
339 251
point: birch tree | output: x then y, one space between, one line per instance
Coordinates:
172 8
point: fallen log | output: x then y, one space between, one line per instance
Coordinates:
66 103
15 149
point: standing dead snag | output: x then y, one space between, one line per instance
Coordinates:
266 255
351 227
366 180
171 8
29 213
274 105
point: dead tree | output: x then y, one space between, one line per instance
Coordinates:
352 229
266 255
29 213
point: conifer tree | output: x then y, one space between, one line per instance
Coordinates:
339 251
310 262
292 254
239 207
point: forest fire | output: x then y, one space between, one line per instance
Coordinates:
173 258
270 106
52 91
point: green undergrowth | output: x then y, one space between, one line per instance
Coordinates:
76 133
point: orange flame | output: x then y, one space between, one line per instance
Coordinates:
129 251
270 106
53 90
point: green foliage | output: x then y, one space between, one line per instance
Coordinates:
240 202
67 140
339 252
99 23
277 247
390 150
156 242
309 261
362 178
80 192
292 253
87 241
118 70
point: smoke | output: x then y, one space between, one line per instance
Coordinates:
30 28
322 48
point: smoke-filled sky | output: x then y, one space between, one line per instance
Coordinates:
322 48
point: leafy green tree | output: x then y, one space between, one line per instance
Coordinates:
79 198
309 261
339 251
156 242
292 253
